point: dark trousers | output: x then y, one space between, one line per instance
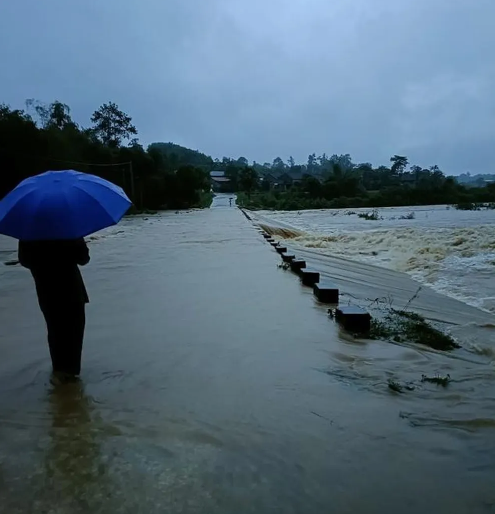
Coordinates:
65 324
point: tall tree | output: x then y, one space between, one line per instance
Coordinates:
59 116
311 166
111 125
56 114
399 163
343 160
242 161
248 180
278 164
232 173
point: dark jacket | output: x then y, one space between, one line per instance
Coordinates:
54 266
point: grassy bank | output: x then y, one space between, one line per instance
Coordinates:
404 326
296 200
286 201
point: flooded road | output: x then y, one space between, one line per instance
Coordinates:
213 382
449 250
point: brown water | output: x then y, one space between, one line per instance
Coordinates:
214 383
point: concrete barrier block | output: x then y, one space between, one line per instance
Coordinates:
309 277
297 265
274 243
288 257
281 249
267 236
353 318
326 292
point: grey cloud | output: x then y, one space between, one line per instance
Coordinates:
265 79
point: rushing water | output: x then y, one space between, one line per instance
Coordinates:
452 251
213 382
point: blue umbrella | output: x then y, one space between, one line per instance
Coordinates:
61 205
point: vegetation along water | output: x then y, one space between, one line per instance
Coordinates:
166 175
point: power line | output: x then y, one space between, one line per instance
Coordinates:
66 161
89 163
77 163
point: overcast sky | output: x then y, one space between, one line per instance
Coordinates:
268 78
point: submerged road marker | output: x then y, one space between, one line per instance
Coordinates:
297 265
326 292
288 257
309 277
353 318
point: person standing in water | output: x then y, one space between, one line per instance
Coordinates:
62 298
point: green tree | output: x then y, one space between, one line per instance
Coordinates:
312 186
248 180
232 173
278 164
22 149
111 125
242 161
54 115
344 161
312 163
323 160
59 115
399 163
190 182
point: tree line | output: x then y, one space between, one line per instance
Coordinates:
44 137
165 175
337 182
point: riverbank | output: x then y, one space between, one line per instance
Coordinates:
297 200
213 382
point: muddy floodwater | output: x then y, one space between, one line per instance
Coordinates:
213 382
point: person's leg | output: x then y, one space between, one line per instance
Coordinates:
75 324
65 326
55 335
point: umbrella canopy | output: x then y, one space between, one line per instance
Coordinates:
61 205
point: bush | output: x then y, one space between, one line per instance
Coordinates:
373 215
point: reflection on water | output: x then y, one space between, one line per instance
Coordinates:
64 469
213 382
74 468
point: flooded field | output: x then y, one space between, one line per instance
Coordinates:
213 382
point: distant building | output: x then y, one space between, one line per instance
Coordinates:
296 176
217 174
273 181
281 181
219 182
